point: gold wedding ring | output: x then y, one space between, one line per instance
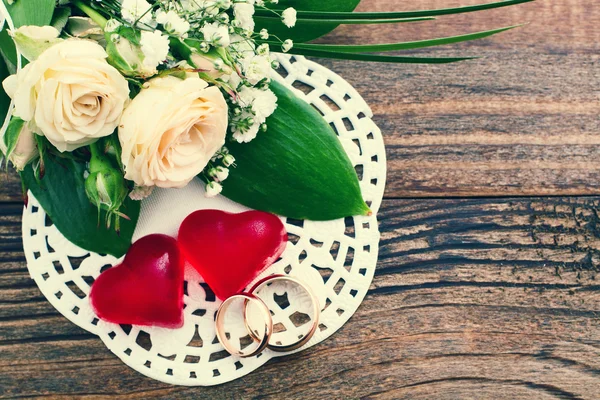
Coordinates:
315 317
220 324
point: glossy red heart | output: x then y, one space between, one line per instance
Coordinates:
146 289
230 250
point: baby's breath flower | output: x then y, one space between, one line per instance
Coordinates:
221 173
289 17
224 4
256 68
263 49
172 22
133 10
264 34
228 160
155 47
243 13
216 34
213 189
287 45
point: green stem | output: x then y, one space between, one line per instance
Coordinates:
90 12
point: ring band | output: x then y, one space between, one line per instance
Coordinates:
315 318
220 325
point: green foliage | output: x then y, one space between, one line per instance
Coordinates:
297 168
304 31
11 137
31 12
61 192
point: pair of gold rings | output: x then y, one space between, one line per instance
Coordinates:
263 341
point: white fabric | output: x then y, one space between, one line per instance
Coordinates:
337 258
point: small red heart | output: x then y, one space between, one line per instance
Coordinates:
230 250
146 289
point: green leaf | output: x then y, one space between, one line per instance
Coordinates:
303 31
8 48
62 195
372 48
31 12
60 18
11 136
344 21
374 57
337 14
297 168
4 99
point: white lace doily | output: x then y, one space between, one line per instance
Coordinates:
336 258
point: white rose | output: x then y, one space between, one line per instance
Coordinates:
171 130
70 94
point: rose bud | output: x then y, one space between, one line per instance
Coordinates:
214 63
105 186
135 53
19 144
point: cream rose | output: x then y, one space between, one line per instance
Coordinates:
171 130
70 94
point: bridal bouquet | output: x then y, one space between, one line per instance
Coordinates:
108 99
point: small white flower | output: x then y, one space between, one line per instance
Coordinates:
263 49
221 173
228 160
224 4
289 17
287 45
172 22
155 47
263 102
132 10
256 68
216 34
246 136
243 13
264 34
209 6
213 189
264 105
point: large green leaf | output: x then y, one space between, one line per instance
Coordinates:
31 12
372 48
297 168
62 195
305 31
341 14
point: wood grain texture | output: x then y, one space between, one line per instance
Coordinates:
521 121
475 298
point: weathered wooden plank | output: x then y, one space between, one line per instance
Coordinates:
471 298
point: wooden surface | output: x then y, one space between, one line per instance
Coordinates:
484 289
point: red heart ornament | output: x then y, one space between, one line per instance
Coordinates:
230 250
146 289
